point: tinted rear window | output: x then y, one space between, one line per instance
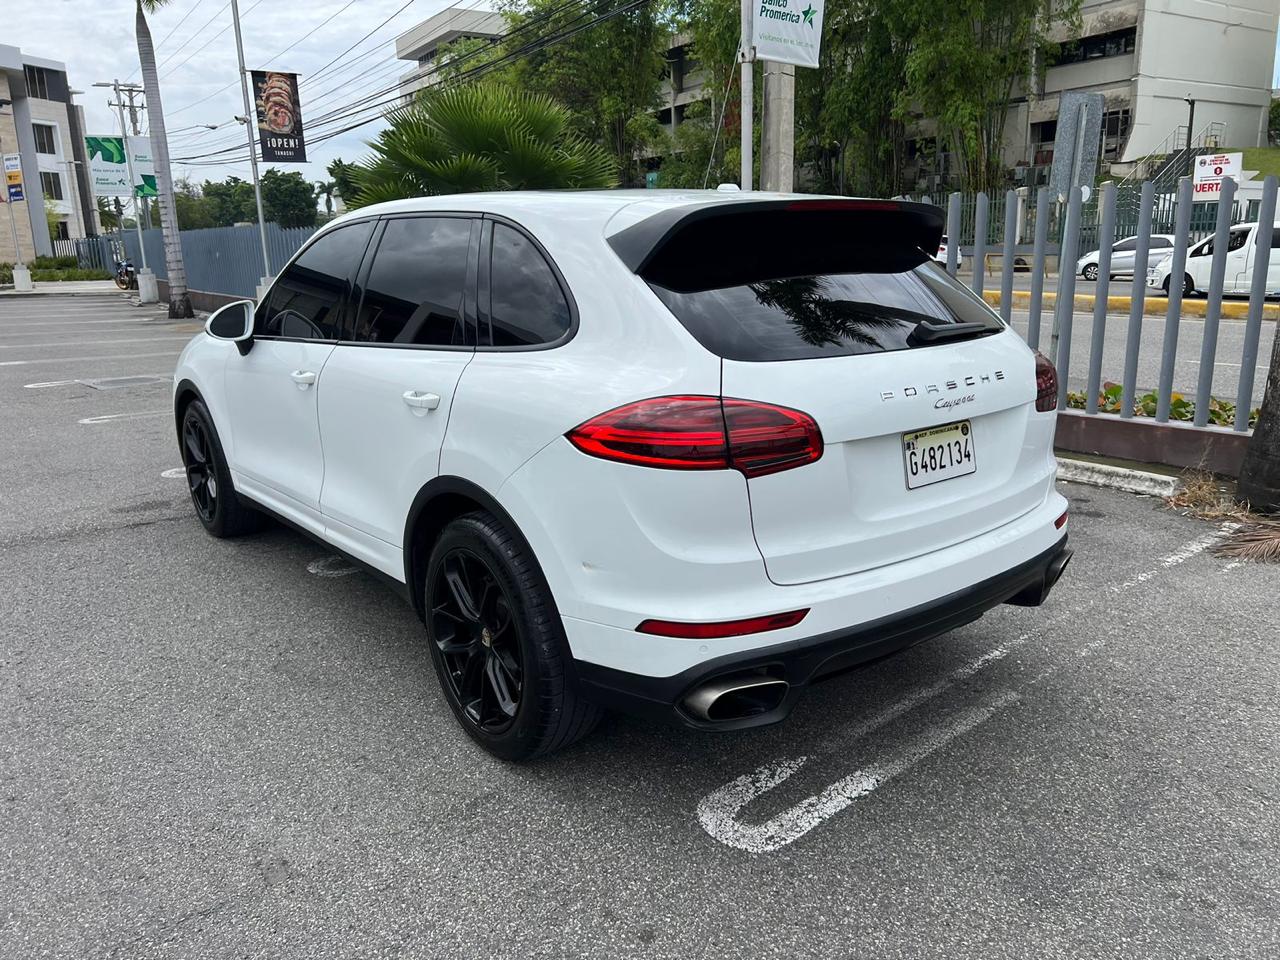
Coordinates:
825 315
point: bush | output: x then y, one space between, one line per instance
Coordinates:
1222 413
74 273
54 263
6 273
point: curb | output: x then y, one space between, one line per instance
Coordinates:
1117 478
1152 306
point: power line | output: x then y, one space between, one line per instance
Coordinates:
199 31
202 46
171 32
319 73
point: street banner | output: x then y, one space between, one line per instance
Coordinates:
1210 169
13 177
787 31
109 171
279 117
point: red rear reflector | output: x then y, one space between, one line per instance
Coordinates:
1046 384
724 628
702 433
1060 522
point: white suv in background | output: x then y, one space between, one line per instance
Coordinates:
674 453
1240 264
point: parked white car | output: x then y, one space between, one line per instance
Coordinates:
674 453
941 256
1241 260
1123 254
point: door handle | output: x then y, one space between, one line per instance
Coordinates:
421 401
303 378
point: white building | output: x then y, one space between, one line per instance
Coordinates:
422 43
45 127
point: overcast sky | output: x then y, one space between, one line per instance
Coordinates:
96 41
95 38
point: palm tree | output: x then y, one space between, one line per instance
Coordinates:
476 137
1260 474
179 301
326 188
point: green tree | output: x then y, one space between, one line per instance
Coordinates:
1260 473
965 60
194 211
483 136
288 199
230 201
343 175
179 301
108 214
325 190
1273 122
607 77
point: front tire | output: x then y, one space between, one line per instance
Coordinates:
220 511
498 644
1090 271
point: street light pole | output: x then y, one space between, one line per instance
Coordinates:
249 115
1191 128
748 55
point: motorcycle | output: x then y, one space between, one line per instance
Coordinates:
126 276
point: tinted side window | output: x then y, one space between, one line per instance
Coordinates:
1236 239
1275 239
1124 246
1160 243
307 300
526 304
415 287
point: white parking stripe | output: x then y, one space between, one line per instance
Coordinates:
95 343
100 358
48 383
108 417
718 811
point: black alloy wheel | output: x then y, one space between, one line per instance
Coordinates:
475 631
202 479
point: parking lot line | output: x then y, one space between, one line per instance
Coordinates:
95 343
717 812
97 358
139 415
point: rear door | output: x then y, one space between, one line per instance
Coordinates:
388 389
1122 255
873 349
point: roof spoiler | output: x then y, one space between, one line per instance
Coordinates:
719 243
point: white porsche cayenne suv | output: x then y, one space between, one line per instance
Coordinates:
680 454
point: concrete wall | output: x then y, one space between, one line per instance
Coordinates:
1219 53
19 211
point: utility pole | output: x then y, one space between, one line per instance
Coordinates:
132 90
249 117
778 139
1191 131
148 289
748 56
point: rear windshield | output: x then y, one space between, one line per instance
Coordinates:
826 315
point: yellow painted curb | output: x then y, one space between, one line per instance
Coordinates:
1152 306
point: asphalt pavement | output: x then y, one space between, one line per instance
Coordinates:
238 748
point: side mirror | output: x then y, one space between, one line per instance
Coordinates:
234 322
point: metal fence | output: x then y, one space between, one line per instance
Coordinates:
220 260
1003 225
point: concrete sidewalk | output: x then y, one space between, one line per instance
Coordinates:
1152 306
47 287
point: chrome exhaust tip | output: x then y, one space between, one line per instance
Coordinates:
734 698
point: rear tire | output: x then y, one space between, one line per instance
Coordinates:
498 644
220 511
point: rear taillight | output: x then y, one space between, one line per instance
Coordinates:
1046 384
721 628
702 433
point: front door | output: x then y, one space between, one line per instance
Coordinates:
388 390
272 390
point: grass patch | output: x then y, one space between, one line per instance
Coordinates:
1255 537
1266 160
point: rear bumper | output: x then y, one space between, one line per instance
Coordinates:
801 662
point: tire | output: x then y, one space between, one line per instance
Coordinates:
498 644
122 284
1188 285
219 509
1090 271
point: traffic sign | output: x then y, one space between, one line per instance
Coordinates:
1209 171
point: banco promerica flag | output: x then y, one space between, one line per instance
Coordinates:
787 31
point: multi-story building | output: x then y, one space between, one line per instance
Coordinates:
45 128
1149 59
422 43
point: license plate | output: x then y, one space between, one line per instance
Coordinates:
939 453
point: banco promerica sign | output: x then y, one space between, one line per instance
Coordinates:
788 31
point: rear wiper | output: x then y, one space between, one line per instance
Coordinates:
926 332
